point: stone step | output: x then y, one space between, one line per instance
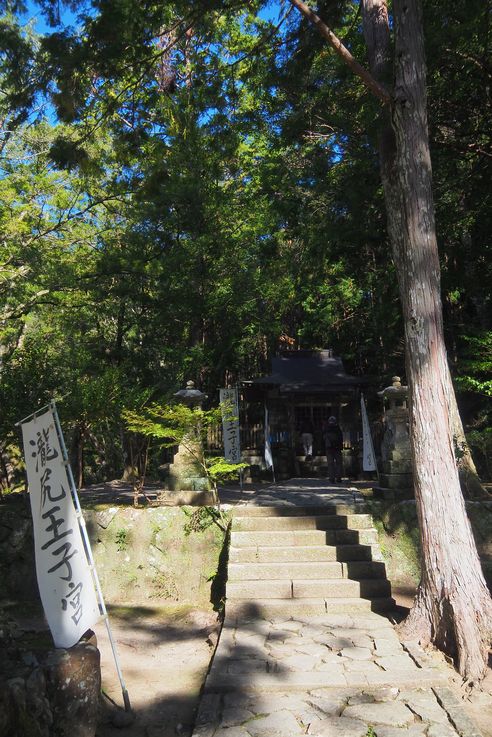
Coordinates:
300 553
288 538
237 610
260 571
290 570
307 588
281 510
342 587
305 681
307 522
360 569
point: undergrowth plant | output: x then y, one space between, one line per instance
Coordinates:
177 424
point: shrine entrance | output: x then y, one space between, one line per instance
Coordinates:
303 385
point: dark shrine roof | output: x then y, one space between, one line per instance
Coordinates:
308 372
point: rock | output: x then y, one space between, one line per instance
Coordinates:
17 689
361 698
29 659
394 714
326 706
105 517
338 727
356 653
184 730
280 723
73 679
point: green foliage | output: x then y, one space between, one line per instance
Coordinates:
476 365
201 518
178 424
121 539
190 199
480 442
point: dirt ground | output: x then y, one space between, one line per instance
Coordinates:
164 654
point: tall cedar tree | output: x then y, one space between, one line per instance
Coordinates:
453 608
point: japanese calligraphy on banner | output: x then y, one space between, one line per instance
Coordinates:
64 577
230 425
368 454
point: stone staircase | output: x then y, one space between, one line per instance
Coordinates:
291 561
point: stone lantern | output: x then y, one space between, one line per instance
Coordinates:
185 472
396 479
190 396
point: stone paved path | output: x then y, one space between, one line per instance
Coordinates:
335 675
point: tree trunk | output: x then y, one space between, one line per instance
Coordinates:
453 608
77 455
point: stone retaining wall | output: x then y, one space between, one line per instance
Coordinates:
46 692
142 555
399 538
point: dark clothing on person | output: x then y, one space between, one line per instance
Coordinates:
333 437
306 426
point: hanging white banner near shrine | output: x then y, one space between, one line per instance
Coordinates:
64 577
368 454
229 401
268 447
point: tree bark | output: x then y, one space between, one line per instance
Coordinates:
453 608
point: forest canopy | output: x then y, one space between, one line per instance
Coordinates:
186 188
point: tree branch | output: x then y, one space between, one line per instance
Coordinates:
343 52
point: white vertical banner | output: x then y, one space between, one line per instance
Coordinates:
368 454
268 447
229 401
64 577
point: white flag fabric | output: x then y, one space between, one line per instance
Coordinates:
268 447
368 455
230 427
63 573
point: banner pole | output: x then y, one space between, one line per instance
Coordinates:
88 552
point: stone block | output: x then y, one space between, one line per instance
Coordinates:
318 522
395 466
267 571
364 569
264 538
73 682
187 497
355 552
259 590
280 723
300 553
393 714
396 480
276 607
354 537
338 727
330 589
358 521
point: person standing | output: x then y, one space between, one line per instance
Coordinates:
333 438
306 432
